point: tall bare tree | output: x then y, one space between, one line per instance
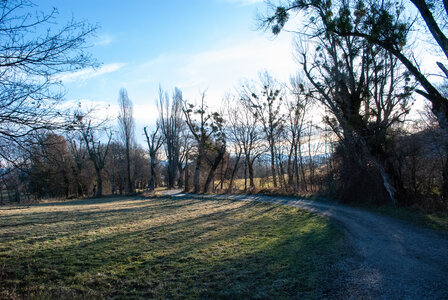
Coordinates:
126 127
245 132
171 123
297 108
98 149
208 131
265 99
154 140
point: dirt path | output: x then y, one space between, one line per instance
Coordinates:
389 259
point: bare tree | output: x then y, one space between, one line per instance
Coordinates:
297 108
366 92
208 131
97 150
386 24
265 100
154 140
245 132
186 147
126 126
80 157
115 166
171 123
34 54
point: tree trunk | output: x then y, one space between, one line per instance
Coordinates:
171 173
66 184
274 178
296 168
197 171
128 169
180 180
224 172
17 195
99 184
245 174
282 172
445 177
152 179
235 168
186 176
302 169
213 168
250 167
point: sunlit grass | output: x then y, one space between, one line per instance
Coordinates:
238 183
164 248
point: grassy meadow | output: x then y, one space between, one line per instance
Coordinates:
164 248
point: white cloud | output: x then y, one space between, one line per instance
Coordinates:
223 69
218 69
85 74
146 113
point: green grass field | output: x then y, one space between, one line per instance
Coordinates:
165 248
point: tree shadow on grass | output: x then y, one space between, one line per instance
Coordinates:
82 213
255 250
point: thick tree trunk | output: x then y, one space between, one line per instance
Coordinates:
99 184
432 24
445 176
180 180
152 179
364 156
197 171
172 166
211 174
235 169
250 167
224 172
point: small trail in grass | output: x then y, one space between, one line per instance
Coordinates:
390 259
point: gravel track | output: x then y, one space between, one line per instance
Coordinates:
388 258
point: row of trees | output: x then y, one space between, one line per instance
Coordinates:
339 126
267 134
363 50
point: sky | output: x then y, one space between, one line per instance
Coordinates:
195 45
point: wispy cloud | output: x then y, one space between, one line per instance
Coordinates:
85 74
104 40
223 69
218 69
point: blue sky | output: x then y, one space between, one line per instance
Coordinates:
194 45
